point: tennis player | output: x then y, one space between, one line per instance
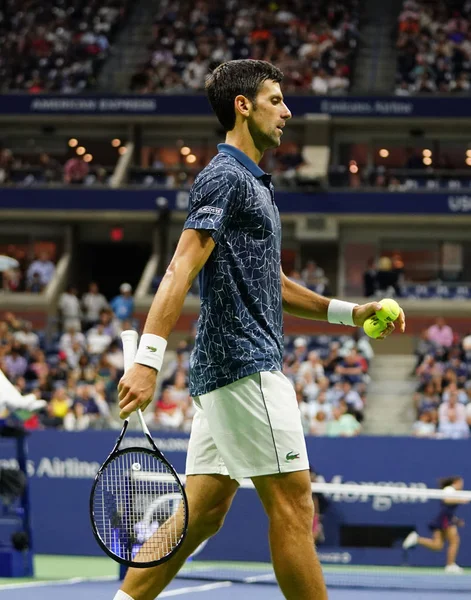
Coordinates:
444 526
247 422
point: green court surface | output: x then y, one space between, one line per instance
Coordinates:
54 568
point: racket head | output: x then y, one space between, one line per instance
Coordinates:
135 493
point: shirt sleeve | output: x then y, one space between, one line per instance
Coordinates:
213 202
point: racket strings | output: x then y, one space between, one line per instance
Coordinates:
138 507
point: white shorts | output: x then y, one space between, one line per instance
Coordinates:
248 428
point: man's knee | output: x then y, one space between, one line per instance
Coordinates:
289 499
208 522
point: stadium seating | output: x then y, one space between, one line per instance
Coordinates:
312 42
434 48
443 370
53 46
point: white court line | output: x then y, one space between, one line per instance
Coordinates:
195 589
72 581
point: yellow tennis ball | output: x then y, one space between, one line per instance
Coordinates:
374 327
390 310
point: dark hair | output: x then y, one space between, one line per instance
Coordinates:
447 481
235 77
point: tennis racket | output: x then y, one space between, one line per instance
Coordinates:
138 507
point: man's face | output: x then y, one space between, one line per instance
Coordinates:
268 116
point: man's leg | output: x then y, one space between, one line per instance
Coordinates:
288 502
209 499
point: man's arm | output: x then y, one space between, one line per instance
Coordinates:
136 388
301 302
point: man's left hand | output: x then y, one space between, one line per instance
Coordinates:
364 311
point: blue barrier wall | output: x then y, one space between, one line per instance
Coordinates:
62 466
190 104
413 203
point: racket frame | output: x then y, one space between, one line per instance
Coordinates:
129 338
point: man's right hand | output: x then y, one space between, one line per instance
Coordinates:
136 389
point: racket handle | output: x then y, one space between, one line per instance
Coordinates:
129 339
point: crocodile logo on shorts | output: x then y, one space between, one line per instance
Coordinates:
292 455
151 348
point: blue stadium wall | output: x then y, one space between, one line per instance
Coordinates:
62 466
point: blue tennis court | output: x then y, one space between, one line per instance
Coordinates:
76 578
105 590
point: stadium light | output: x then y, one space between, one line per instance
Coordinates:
353 168
468 153
80 150
73 142
427 153
427 161
468 161
191 158
384 153
88 158
185 151
116 143
122 150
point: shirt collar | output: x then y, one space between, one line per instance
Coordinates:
243 159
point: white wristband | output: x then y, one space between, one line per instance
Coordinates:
340 312
151 351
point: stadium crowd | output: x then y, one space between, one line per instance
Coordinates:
443 397
78 370
56 46
313 43
434 47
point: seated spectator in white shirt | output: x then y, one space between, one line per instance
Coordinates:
44 267
115 357
320 83
76 419
319 424
322 405
453 403
26 336
93 303
424 426
70 310
310 387
313 365
461 394
71 336
452 426
98 340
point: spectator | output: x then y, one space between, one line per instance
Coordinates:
440 334
342 424
92 304
169 413
369 279
452 426
40 271
458 409
424 426
70 310
314 277
321 404
75 171
14 364
350 369
312 365
76 419
319 425
353 400
123 305
98 340
26 336
70 337
427 399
